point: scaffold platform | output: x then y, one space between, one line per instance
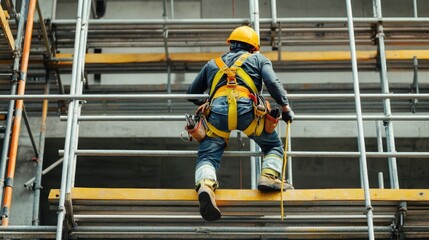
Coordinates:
250 214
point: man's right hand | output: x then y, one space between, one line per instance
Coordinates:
287 114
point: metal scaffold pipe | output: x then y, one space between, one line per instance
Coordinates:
232 21
415 8
274 11
226 229
390 138
321 96
73 111
79 79
255 161
41 150
27 232
13 151
361 138
9 117
396 117
189 153
238 21
291 217
44 31
27 228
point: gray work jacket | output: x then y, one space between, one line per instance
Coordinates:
258 67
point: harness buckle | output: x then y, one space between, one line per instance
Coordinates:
230 75
260 111
232 84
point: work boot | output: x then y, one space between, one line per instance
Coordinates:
269 182
208 209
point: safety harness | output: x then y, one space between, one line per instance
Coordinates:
233 92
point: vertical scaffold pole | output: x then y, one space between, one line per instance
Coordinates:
14 83
255 162
390 138
361 139
73 109
415 8
289 158
37 186
274 12
19 105
167 54
38 180
80 81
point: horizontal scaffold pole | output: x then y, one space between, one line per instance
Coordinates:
340 96
410 117
27 232
289 217
230 230
189 153
93 22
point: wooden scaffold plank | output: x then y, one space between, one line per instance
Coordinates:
235 195
306 56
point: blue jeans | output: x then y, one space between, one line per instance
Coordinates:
211 149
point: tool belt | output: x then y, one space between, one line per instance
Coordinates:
196 126
233 94
272 120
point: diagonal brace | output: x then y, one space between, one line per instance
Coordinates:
4 16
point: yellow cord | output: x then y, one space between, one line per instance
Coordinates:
284 168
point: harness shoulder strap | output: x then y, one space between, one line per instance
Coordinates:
241 59
222 68
232 71
243 75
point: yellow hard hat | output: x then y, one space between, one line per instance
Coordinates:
245 34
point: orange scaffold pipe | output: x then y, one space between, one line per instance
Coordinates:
7 197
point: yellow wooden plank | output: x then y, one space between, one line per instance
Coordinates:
6 29
235 195
321 56
407 54
116 58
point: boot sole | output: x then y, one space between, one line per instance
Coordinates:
268 188
265 188
207 210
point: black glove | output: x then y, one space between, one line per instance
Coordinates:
288 116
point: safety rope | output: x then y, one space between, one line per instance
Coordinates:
284 168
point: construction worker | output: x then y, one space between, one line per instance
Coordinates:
234 82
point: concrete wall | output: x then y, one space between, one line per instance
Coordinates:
168 129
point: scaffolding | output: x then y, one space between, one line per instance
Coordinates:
363 213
